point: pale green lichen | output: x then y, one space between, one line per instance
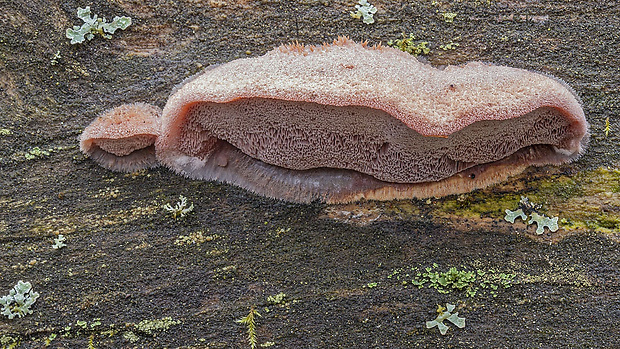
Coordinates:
5 132
512 215
365 11
59 242
153 327
446 314
181 209
130 336
468 281
9 342
449 46
277 299
527 207
19 300
448 17
95 25
37 152
543 221
55 58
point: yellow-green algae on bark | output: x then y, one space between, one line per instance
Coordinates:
587 201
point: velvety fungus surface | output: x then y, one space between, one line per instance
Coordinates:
346 121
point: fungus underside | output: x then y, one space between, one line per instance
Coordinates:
329 142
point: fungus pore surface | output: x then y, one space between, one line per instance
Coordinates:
344 122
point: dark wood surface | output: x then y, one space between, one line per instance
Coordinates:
128 261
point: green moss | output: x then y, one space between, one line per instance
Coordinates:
410 45
577 200
9 342
563 187
250 322
454 280
478 203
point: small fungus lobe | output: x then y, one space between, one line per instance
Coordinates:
346 121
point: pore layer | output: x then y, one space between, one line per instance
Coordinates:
304 135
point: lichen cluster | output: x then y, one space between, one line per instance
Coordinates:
95 25
180 209
526 207
446 314
365 11
19 300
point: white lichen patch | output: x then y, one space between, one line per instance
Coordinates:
543 221
526 207
59 242
180 209
512 215
93 25
354 214
365 11
19 300
446 314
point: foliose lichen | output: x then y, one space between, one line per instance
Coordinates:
19 300
526 207
95 25
181 209
59 242
446 314
365 11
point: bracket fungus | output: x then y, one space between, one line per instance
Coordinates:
345 121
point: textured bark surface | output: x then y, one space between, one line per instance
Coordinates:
128 263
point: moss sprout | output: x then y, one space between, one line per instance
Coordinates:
607 127
250 322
